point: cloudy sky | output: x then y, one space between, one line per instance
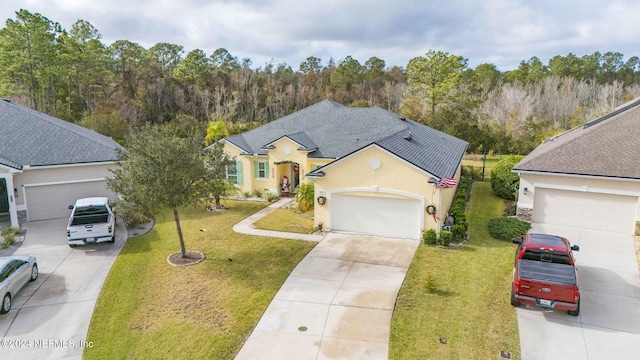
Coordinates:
502 32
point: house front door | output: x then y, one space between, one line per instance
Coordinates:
4 197
295 176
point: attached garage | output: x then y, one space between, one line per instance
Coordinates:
597 211
52 201
384 216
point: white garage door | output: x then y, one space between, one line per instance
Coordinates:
52 201
614 213
376 215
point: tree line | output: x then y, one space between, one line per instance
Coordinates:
113 88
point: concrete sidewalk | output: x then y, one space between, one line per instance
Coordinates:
246 226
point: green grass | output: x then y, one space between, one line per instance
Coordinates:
148 309
286 220
461 295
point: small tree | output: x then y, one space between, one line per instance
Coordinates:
215 182
504 182
160 169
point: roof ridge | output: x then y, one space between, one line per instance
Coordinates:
617 111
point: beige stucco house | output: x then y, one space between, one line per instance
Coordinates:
374 171
587 177
47 163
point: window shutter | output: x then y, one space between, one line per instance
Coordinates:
255 169
239 172
266 169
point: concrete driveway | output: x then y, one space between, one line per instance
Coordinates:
609 323
337 303
50 317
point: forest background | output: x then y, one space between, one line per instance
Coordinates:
113 88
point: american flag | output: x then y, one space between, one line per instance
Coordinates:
446 183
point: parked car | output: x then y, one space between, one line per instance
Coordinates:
91 221
15 273
544 273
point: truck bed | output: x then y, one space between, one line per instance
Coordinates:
546 272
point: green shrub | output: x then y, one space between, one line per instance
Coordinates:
130 214
445 237
430 237
258 193
271 197
304 196
8 234
507 228
459 231
246 194
504 182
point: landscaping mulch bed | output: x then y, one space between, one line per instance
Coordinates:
192 258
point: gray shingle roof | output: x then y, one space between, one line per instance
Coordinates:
608 146
31 138
335 131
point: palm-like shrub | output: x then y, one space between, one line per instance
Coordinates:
304 196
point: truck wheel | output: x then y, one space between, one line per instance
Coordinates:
6 304
514 302
575 312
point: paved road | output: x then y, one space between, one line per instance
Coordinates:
609 323
337 303
50 317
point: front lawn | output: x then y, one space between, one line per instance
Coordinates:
460 297
286 220
148 309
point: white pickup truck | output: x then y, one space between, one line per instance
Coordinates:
91 221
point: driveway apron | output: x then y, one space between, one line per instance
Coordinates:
337 303
609 323
50 317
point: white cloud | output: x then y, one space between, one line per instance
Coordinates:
503 32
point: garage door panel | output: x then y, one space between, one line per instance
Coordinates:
613 213
376 215
52 201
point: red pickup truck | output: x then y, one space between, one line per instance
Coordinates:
544 273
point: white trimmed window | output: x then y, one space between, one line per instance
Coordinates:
234 173
262 169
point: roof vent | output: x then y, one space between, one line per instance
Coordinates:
408 136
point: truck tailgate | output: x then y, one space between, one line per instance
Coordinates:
544 280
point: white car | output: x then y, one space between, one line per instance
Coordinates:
15 273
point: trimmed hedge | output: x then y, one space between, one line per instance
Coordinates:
460 224
507 228
504 182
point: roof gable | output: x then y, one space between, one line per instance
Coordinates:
331 130
31 138
607 146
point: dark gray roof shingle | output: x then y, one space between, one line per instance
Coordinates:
608 146
31 138
335 131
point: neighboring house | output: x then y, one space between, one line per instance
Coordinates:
47 163
587 177
375 171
